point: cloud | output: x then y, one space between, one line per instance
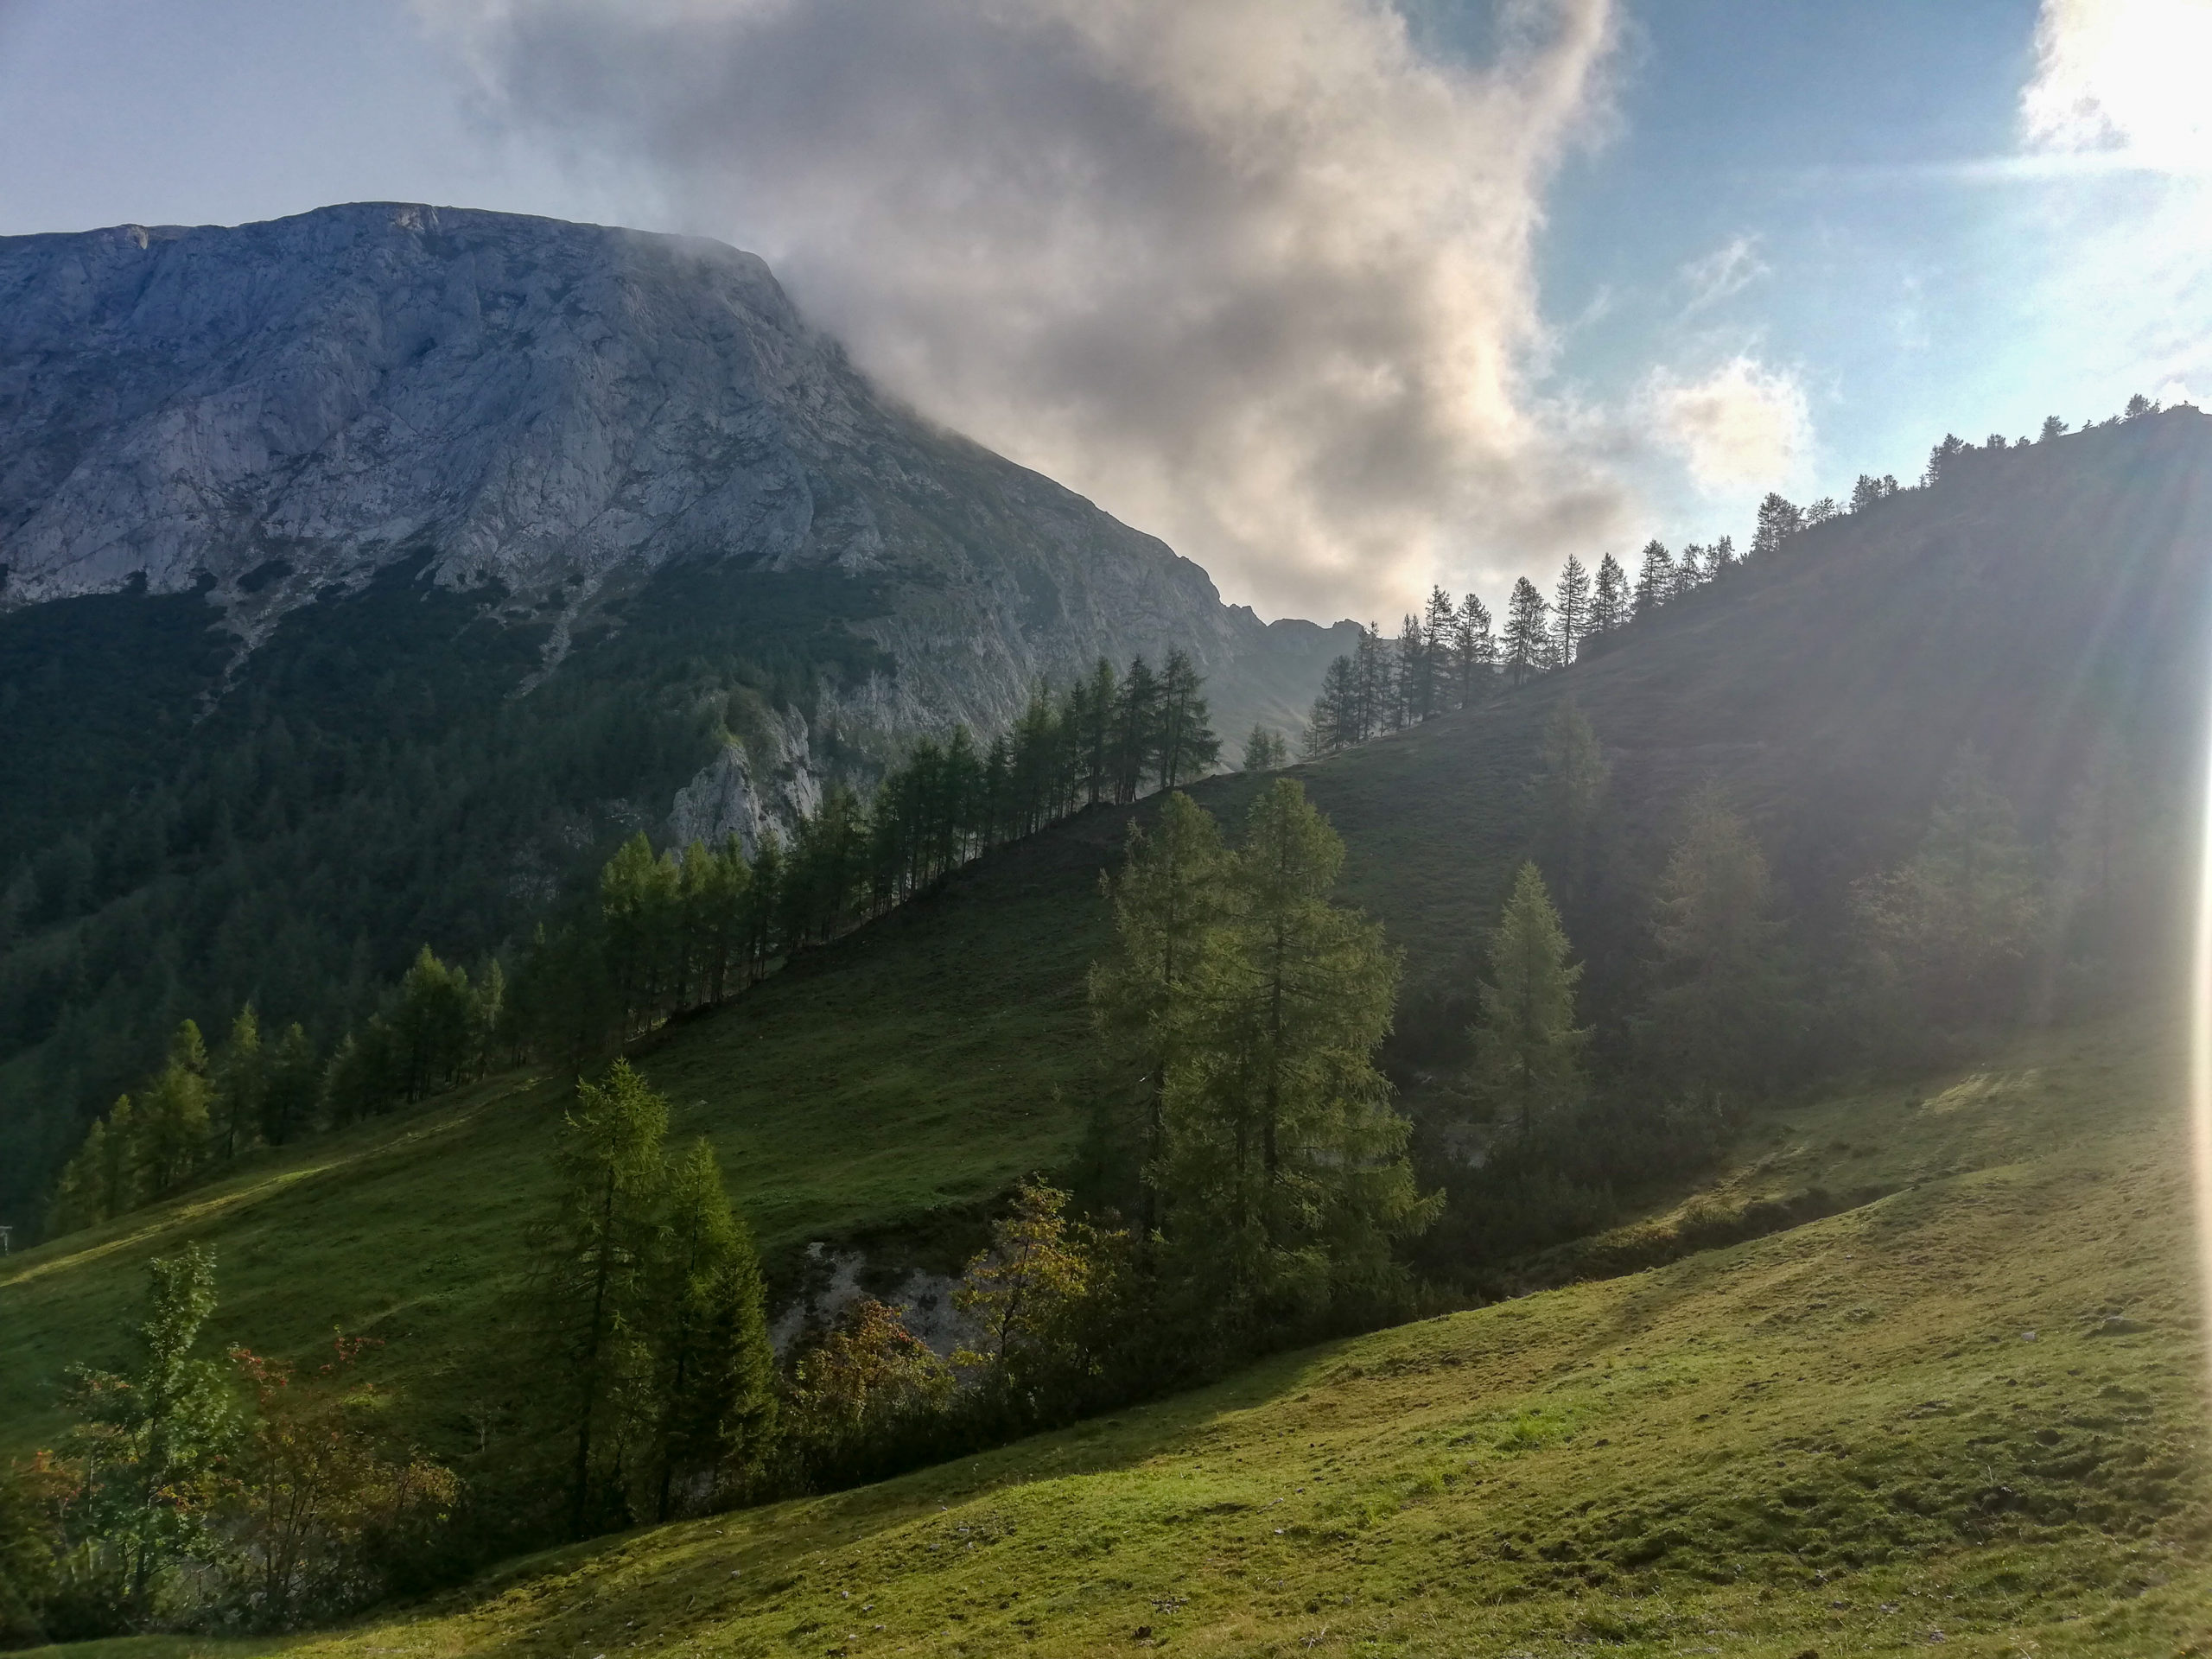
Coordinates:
1727 270
1743 427
1253 274
2125 76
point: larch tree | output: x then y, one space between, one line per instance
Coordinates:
597 1260
1711 1020
1528 635
1570 789
1187 748
713 1366
1953 930
1571 605
1440 629
1609 596
1168 897
1476 648
1528 1048
239 1075
1284 1172
1655 580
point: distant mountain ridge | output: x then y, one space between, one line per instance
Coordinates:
544 414
366 575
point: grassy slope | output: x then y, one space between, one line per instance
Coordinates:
898 1081
1975 1407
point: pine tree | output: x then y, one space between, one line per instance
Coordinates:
1722 558
1654 582
1571 606
1528 1049
713 1368
1283 1172
1714 1010
1609 597
1527 637
598 1257
1169 897
1416 690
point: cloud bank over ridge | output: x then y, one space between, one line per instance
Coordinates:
1256 275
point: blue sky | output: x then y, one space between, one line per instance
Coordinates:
1776 242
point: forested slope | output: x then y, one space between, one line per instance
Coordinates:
886 1087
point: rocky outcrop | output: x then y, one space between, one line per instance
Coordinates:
543 414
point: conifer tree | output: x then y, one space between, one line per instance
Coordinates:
1570 786
1187 748
1476 651
1953 930
597 1272
1778 520
1722 558
1136 718
1092 737
119 1164
1712 1020
239 1076
1570 619
291 1083
173 1125
1654 582
1169 896
1689 570
1609 597
1335 724
430 1026
1283 1171
1265 750
1416 690
1440 629
713 1368
1527 637
1528 1048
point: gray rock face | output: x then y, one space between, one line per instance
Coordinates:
544 413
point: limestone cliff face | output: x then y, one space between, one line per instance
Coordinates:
543 414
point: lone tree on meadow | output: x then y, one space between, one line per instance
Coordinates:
1281 1173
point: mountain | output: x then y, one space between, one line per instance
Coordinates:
364 574
882 1092
543 414
1903 1348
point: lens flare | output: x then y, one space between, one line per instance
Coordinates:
2200 1056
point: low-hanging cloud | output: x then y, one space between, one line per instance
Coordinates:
1254 274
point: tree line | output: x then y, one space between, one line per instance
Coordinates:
1447 657
656 934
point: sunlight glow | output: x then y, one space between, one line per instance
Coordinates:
2125 75
2200 1054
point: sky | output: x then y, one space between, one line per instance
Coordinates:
1340 298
